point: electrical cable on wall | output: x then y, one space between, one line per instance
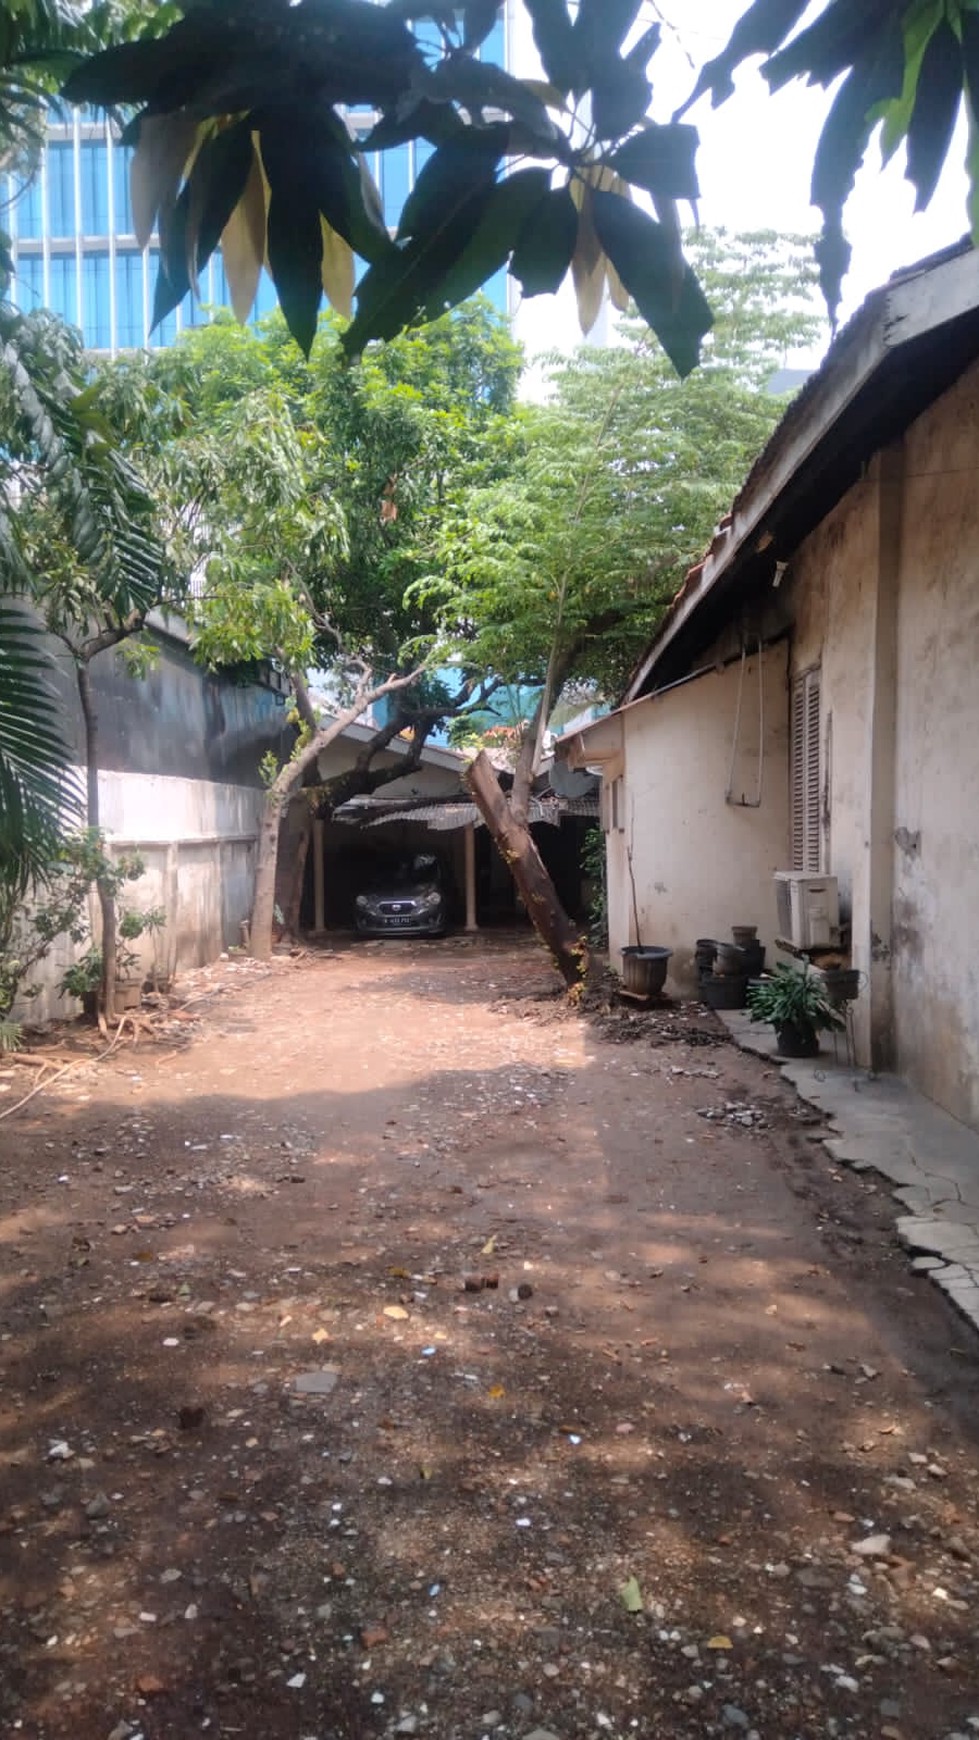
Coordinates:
744 802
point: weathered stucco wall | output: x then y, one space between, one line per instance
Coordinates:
935 966
830 595
197 842
701 864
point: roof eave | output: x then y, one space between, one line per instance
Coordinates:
894 319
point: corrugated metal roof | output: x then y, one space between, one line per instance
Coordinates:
446 817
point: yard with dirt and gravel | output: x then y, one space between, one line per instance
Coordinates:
387 1348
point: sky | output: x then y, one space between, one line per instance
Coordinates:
755 162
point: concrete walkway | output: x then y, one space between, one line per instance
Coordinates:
881 1124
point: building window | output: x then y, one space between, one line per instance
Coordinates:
806 761
61 190
94 175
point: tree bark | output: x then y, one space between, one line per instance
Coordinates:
288 781
558 933
106 897
294 907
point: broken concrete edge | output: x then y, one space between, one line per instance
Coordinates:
944 1246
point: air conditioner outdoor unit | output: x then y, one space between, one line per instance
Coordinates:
808 909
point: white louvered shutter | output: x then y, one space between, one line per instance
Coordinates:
805 773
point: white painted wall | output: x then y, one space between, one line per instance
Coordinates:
831 591
701 864
935 960
196 839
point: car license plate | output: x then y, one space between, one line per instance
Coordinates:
405 918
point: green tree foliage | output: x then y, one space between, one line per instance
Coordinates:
562 568
77 552
306 495
55 454
241 140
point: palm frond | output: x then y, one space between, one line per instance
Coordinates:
38 792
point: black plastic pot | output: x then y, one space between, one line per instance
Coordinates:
841 984
795 1041
730 961
704 953
754 959
644 969
724 990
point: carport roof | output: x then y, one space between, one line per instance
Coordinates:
446 817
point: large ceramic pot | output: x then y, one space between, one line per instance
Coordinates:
644 970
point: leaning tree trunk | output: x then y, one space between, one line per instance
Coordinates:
287 782
559 934
106 897
294 904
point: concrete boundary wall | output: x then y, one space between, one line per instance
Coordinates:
197 841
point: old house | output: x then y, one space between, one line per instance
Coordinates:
811 700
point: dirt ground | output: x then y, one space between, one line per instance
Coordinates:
391 1352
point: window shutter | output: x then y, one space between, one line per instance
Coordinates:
812 773
805 773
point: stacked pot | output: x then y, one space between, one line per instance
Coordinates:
726 967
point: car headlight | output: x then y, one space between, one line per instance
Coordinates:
362 903
431 900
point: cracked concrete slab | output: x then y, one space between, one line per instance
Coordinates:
880 1124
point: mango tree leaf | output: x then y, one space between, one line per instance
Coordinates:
461 244
643 256
661 159
337 270
480 85
163 145
554 40
304 158
546 244
896 115
601 27
217 182
588 264
935 111
505 212
146 71
842 36
478 19
759 31
419 118
840 152
461 167
243 243
630 1595
295 245
620 95
173 278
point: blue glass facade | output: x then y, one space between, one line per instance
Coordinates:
75 251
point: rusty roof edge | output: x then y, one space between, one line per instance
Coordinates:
891 316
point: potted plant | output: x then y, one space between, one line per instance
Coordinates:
798 1008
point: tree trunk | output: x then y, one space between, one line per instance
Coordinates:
556 930
263 908
106 897
294 906
288 780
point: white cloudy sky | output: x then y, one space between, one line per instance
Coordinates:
755 162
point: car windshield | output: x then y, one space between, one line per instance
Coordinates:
406 872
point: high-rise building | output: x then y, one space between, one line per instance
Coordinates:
75 251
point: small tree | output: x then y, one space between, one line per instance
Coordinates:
85 536
559 571
306 498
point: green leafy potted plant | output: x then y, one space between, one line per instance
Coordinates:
797 1006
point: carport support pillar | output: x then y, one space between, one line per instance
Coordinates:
471 920
319 878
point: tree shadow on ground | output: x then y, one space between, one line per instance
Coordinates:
697 1391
